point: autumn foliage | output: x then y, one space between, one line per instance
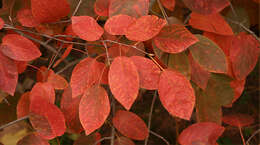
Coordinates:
88 62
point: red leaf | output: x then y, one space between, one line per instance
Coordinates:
26 18
134 8
86 73
174 39
238 120
124 141
1 23
32 139
57 81
23 106
149 72
238 87
86 28
123 81
244 54
94 108
101 7
130 125
169 4
211 23
123 50
64 55
45 90
176 94
70 109
117 25
19 48
42 74
8 75
49 10
201 133
145 28
206 7
21 66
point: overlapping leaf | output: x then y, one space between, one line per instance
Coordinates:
174 39
238 120
117 25
201 133
45 90
149 72
211 23
23 106
86 28
238 87
88 140
130 125
32 139
101 7
49 10
19 48
124 81
134 8
8 74
26 18
169 4
145 28
208 55
176 94
206 7
94 108
57 81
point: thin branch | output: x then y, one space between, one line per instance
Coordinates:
232 8
254 134
77 8
241 134
150 116
162 138
68 66
163 11
102 139
13 122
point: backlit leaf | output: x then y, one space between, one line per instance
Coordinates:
208 55
23 106
46 118
134 8
205 133
214 23
86 28
124 81
176 94
8 74
26 18
169 4
174 39
57 81
94 108
149 72
206 7
32 139
238 120
117 25
123 141
130 125
49 10
21 66
101 7
45 90
145 28
19 48
244 54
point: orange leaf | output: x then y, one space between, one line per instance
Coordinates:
123 81
169 4
45 90
26 18
57 81
238 120
130 125
176 94
101 7
23 106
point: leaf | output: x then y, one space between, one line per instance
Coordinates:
238 120
57 81
244 55
1 23
208 55
88 140
45 90
205 133
32 139
85 9
149 72
64 55
214 23
130 125
70 109
85 74
124 81
19 48
169 4
26 18
123 141
49 10
134 8
124 50
46 118
94 108
117 25
174 39
86 28
176 94
8 75
206 7
145 28
238 87
21 66
101 7
23 106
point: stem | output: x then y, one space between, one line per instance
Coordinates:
68 66
13 122
77 8
254 134
241 134
162 138
156 62
163 11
